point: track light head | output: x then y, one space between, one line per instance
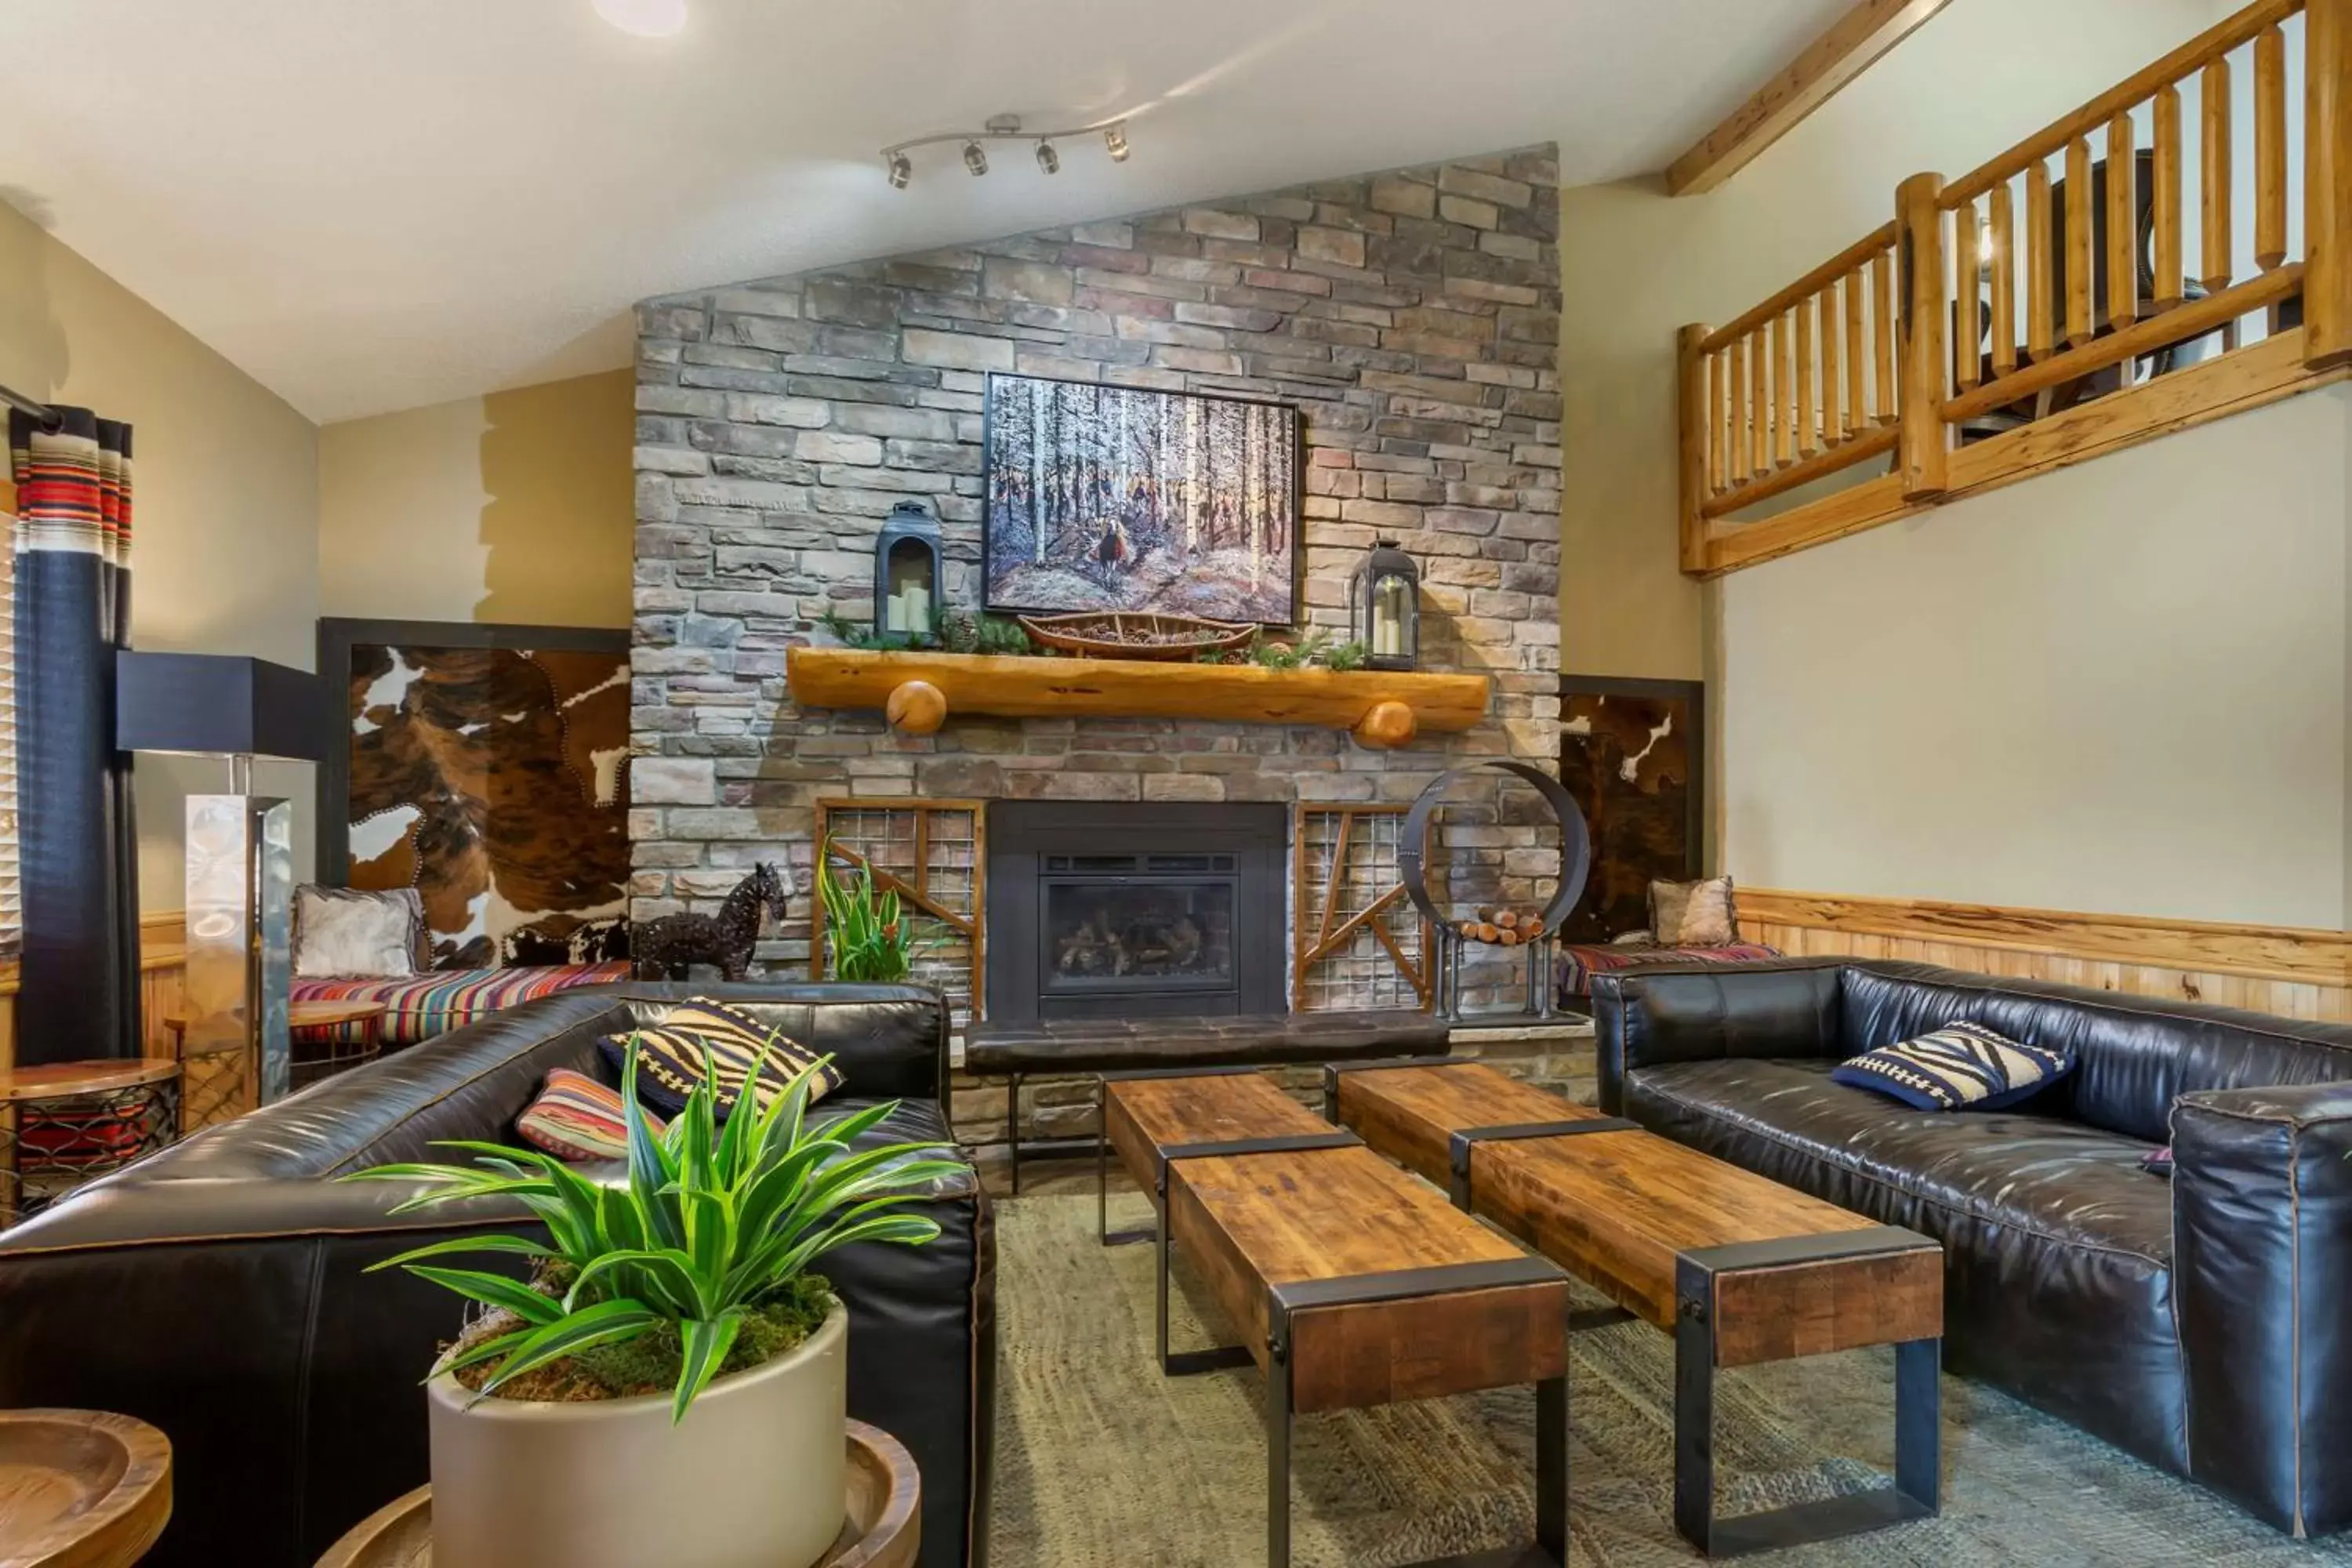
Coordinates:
1047 159
974 159
902 168
1115 140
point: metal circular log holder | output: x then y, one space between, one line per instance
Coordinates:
1575 866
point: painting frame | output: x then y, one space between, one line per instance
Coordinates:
1293 495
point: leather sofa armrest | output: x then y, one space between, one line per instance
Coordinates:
2262 1206
1704 1012
237 1316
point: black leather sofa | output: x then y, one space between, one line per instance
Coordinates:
215 1289
2202 1324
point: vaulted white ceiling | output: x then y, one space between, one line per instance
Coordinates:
370 205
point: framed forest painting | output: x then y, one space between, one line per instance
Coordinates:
1112 498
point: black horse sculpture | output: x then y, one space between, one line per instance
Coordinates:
664 949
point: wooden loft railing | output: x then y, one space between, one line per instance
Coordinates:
1868 356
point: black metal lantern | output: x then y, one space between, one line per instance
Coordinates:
1384 606
906 574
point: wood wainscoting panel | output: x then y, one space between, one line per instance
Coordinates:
162 976
2288 971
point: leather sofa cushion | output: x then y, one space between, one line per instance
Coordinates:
2059 1179
2058 1249
2134 1056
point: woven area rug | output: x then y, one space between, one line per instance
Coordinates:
1103 1462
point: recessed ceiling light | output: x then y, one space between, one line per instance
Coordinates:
646 18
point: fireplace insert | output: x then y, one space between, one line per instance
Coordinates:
1101 910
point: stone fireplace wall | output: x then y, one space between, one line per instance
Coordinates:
1414 316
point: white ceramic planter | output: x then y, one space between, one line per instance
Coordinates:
751 1477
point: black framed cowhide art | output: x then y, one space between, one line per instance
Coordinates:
488 767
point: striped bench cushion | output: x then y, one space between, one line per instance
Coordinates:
424 1005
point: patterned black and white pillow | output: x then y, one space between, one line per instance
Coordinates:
1960 1067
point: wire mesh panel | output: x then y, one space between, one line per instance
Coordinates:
932 854
1358 944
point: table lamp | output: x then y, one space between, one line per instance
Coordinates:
240 889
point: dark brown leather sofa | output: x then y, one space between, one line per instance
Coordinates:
216 1290
2200 1323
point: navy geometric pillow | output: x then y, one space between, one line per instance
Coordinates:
1960 1067
670 1058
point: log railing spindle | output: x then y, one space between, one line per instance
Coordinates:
2004 281
2270 150
1784 394
1924 440
2165 205
2328 184
1716 433
1885 331
2123 223
1830 303
2080 324
1809 434
2041 326
1968 266
1691 358
1759 406
1857 354
2214 87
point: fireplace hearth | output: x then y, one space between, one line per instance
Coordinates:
1111 909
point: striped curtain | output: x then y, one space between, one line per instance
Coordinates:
79 994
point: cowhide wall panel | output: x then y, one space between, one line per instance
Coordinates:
1631 751
494 780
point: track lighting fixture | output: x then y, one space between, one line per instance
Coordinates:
900 169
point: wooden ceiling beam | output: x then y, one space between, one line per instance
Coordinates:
1851 46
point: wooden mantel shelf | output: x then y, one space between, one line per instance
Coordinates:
918 691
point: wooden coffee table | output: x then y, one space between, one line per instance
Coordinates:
1350 1283
1739 1269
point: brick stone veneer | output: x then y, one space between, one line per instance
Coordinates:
1412 316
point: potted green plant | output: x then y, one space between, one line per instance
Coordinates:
667 1386
865 929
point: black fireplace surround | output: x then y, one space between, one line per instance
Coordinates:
1115 909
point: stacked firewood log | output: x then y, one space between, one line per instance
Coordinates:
1501 928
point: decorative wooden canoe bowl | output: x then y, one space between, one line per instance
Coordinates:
80 1488
881 1528
1128 634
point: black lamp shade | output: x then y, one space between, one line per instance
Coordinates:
215 705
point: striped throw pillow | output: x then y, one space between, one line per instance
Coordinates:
576 1118
670 1057
1960 1067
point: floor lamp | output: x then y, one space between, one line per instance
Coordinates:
240 889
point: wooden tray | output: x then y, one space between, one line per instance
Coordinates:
1098 634
881 1530
80 1488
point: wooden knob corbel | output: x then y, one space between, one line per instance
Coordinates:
915 707
1386 725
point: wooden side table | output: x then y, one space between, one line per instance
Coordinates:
80 1488
63 1123
883 1528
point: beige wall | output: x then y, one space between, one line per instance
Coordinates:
2120 688
515 507
224 553
2081 692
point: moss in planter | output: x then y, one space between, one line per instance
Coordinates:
649 1363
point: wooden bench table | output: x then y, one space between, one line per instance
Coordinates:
1351 1284
1739 1269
